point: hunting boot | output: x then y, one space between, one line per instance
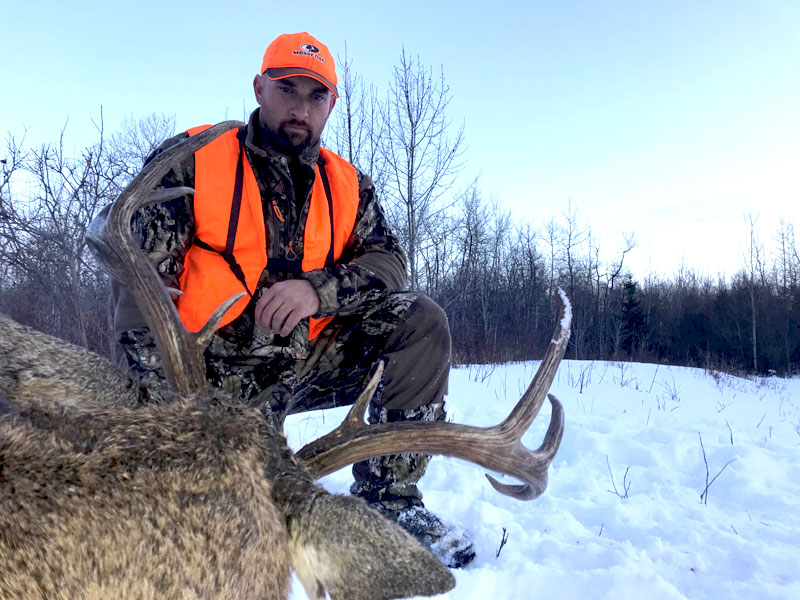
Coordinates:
389 484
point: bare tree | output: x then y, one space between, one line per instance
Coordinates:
136 140
348 128
574 234
47 200
421 158
754 270
356 129
43 231
788 260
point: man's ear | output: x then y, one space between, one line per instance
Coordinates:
258 87
333 103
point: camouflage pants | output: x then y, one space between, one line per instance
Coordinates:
408 331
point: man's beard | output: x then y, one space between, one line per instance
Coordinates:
280 141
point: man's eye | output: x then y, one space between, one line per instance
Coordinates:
319 97
285 89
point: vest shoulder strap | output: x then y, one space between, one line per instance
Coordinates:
233 222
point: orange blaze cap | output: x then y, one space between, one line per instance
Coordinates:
293 54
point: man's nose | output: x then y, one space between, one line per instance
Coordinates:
300 108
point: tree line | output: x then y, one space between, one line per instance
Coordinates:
496 278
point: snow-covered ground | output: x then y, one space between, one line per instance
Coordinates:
653 537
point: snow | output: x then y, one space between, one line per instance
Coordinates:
658 539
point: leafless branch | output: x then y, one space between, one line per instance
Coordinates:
502 543
704 493
626 485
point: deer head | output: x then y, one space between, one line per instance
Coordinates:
103 495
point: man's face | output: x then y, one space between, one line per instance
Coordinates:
293 111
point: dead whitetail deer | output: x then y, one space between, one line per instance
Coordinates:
104 494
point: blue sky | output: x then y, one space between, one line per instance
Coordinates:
668 119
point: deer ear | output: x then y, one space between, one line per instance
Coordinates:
339 544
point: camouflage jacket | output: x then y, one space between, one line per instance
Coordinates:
372 264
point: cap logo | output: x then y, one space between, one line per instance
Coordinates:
309 50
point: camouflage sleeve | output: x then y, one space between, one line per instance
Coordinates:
144 361
164 232
373 263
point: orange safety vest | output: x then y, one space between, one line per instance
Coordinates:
210 277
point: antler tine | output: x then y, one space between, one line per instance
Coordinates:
497 448
181 351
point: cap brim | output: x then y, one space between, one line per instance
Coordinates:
284 72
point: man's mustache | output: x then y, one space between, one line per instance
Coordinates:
297 124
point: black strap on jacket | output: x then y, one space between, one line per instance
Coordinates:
233 221
329 260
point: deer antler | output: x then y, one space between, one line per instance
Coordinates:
497 448
181 351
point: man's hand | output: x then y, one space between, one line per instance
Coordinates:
282 306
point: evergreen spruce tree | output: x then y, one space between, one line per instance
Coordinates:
633 322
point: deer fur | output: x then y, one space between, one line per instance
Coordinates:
102 497
39 367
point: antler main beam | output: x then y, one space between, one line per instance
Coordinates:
181 351
497 448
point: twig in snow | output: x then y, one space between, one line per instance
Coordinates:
729 429
654 379
601 529
502 543
585 377
704 494
626 485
